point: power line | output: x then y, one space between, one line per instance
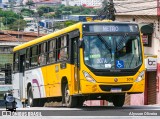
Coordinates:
137 10
124 3
133 10
137 16
27 4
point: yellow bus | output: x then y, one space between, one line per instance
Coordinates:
87 61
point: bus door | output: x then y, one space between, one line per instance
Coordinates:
21 76
75 57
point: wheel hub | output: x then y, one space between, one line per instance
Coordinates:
30 100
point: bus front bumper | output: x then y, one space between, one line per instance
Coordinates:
89 87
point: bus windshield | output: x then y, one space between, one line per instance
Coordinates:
112 51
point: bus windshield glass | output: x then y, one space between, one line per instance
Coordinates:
112 51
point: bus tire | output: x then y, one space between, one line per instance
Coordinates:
31 101
70 101
118 100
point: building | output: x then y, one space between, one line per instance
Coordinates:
44 2
85 3
5 4
146 14
81 18
10 39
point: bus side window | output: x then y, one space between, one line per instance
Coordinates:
63 44
27 58
42 54
34 56
58 48
16 62
52 51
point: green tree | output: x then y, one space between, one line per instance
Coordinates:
107 11
44 9
66 10
58 13
60 25
48 15
76 9
10 16
30 3
27 12
19 24
69 23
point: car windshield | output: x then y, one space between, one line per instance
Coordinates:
112 51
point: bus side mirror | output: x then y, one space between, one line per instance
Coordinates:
80 43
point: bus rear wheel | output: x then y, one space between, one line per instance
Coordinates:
70 101
118 100
31 101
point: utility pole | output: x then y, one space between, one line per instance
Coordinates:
37 19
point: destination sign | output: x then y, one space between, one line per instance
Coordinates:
110 28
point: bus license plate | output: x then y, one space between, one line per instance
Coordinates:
116 90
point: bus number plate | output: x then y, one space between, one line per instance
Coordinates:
116 90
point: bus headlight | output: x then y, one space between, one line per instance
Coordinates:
140 77
88 77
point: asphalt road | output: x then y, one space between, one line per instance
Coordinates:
85 112
90 111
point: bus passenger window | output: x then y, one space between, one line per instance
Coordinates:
42 54
16 62
52 51
63 48
63 54
34 56
27 58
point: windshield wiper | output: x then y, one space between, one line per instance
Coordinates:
118 47
105 43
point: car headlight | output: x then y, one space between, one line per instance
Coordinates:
140 76
88 77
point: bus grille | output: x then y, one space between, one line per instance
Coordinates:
108 87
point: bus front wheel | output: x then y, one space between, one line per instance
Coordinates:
118 100
70 100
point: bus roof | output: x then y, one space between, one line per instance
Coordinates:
46 37
60 32
108 22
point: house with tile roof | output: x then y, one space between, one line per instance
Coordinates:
10 39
